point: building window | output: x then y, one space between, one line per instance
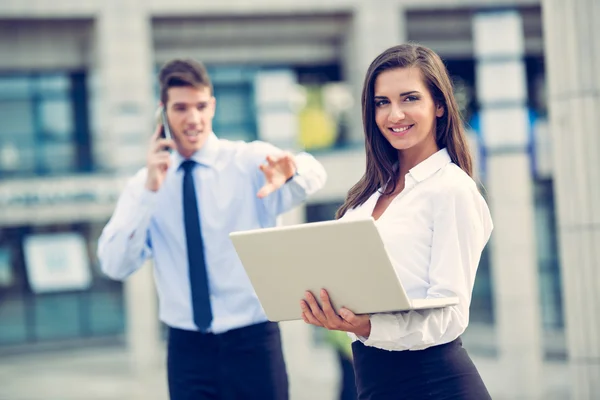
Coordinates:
44 128
234 115
322 211
28 317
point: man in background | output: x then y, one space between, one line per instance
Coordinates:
179 210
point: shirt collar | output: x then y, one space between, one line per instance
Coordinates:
431 165
207 155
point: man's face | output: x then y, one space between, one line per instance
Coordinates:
190 112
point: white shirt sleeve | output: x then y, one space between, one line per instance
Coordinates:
123 245
461 227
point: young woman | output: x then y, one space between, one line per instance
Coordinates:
434 222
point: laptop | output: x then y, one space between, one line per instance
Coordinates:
345 257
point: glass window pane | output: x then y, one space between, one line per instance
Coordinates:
17 121
547 253
15 87
233 118
482 309
57 157
27 158
12 321
54 83
231 74
56 119
57 316
322 211
233 105
7 274
15 158
38 121
9 157
106 313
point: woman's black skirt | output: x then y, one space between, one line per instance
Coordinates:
441 372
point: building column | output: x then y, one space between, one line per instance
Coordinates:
122 95
122 100
375 27
502 94
572 43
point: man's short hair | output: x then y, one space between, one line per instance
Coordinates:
181 73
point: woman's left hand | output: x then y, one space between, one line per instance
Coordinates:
326 317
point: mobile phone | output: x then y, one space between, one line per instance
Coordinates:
165 132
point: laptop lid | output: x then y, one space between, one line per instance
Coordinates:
347 258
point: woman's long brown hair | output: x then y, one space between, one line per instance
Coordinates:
381 156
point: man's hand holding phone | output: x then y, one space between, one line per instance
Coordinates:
158 160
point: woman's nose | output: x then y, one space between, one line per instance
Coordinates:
396 114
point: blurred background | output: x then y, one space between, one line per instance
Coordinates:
77 97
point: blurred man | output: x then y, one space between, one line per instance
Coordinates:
179 210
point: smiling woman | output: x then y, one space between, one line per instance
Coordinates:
434 223
404 110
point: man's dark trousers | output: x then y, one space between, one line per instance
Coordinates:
244 363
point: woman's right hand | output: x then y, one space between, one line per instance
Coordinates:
158 160
326 317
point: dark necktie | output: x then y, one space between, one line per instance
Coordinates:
195 249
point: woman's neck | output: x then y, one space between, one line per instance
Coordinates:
409 158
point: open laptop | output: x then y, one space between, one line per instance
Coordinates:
347 258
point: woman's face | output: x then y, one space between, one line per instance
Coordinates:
405 112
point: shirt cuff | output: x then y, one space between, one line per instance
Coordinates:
383 329
300 176
292 177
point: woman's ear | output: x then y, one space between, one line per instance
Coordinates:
439 111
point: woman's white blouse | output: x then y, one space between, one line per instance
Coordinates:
434 232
